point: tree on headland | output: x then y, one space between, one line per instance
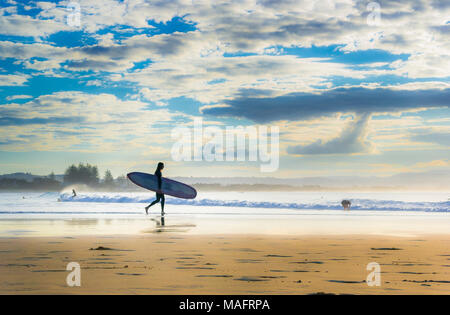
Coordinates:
38 183
122 181
108 180
45 183
81 174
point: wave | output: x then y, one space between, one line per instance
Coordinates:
357 204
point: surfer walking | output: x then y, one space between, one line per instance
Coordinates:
159 194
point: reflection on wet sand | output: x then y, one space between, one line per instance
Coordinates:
187 220
160 226
81 222
160 222
93 226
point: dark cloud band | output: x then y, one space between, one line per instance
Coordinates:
305 106
15 121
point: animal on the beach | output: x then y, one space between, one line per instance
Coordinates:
346 204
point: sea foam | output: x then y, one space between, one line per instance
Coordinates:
357 204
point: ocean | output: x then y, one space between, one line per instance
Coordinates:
393 213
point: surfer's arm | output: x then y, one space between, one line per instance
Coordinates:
159 182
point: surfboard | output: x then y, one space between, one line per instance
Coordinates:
168 186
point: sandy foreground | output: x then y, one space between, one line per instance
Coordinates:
229 264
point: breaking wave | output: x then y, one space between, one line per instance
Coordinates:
357 204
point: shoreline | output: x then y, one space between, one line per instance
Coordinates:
176 234
227 221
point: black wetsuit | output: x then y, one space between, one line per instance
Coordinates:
159 197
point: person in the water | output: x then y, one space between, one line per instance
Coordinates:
346 204
159 194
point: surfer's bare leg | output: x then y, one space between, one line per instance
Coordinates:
154 201
162 204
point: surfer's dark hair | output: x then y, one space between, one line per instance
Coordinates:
160 165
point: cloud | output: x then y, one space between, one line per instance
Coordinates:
13 79
14 121
22 25
432 164
92 65
272 75
423 66
73 120
237 57
305 106
352 140
18 97
9 49
432 136
182 64
440 5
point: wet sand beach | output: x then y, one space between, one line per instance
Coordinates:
171 263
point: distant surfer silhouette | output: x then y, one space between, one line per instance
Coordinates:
74 193
159 194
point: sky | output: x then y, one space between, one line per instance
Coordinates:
355 87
